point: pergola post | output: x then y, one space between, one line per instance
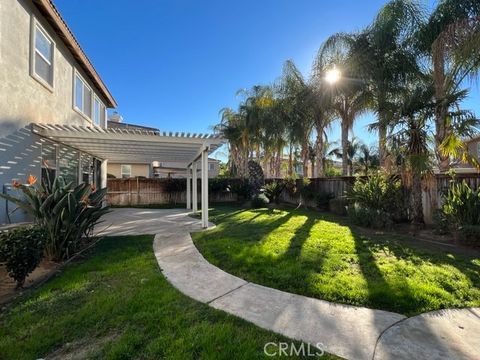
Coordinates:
194 187
189 188
205 189
103 177
79 169
103 174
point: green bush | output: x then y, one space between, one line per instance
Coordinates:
218 185
274 190
378 196
259 201
291 185
369 217
323 199
21 250
306 189
470 235
461 205
242 188
256 178
338 205
67 213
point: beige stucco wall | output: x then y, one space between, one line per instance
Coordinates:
22 98
213 169
137 170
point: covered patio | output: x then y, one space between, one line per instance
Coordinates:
142 146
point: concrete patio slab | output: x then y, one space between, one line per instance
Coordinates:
444 334
347 331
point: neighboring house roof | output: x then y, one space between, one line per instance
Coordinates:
51 13
475 138
122 125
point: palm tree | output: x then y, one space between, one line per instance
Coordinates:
294 92
353 147
349 96
386 60
322 117
367 159
450 40
412 138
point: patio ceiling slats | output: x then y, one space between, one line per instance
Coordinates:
132 145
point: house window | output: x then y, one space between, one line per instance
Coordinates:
478 150
211 166
82 96
42 59
98 112
126 171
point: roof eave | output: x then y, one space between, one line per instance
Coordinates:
48 9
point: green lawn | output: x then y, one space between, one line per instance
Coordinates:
320 255
117 305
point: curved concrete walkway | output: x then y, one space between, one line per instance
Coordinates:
347 331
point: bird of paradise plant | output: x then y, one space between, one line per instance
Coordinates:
66 212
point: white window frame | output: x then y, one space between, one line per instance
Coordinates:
478 150
85 84
122 173
211 166
96 98
35 24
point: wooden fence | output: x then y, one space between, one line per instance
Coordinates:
138 192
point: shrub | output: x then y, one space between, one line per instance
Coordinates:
461 206
306 189
255 176
377 198
218 185
291 185
338 205
21 250
470 235
323 198
173 188
242 188
260 201
369 217
274 190
66 213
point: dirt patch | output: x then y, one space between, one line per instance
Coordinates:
44 271
81 349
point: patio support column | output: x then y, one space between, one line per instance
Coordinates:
79 169
194 188
189 188
205 189
103 178
103 174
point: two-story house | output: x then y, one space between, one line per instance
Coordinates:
53 113
45 77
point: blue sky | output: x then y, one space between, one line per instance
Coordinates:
173 64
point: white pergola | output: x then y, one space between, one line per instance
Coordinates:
142 146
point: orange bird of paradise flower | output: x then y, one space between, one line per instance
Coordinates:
16 184
31 180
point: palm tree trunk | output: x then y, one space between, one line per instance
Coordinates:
319 149
441 130
382 142
345 147
416 205
305 158
290 161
